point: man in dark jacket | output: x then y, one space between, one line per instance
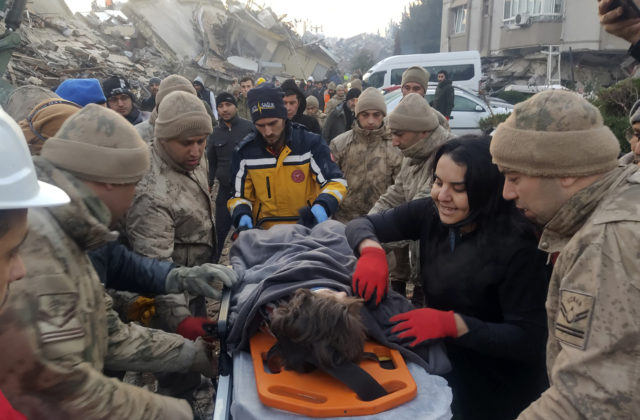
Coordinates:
206 95
296 103
444 97
225 137
120 98
150 103
342 117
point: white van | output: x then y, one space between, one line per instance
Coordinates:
462 67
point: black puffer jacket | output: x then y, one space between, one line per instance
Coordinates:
309 122
121 269
497 281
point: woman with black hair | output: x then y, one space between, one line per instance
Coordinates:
484 281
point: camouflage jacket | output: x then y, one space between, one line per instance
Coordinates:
593 304
58 331
413 181
369 163
171 217
145 129
243 108
333 103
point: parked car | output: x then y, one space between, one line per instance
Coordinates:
468 108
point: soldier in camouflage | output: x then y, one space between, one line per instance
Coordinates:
59 318
366 157
417 132
246 84
560 164
171 219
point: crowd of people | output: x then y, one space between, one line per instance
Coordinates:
520 248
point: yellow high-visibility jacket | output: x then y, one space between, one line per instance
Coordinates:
303 174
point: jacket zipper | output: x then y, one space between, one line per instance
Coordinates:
258 213
268 188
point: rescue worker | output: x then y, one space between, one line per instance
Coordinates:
171 219
246 84
231 130
415 79
67 331
366 156
313 110
169 84
416 132
342 117
281 168
328 94
295 103
121 99
16 196
561 168
336 99
149 104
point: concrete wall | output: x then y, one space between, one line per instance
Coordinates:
538 33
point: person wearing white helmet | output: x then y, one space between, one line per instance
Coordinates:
19 190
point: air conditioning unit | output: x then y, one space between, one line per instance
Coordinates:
523 19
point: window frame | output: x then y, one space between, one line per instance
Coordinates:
459 24
534 8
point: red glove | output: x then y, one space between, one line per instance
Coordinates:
191 327
371 275
424 324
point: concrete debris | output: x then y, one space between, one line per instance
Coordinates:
154 38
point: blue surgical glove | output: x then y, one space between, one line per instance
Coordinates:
319 213
245 222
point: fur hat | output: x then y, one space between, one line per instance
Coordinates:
97 144
371 99
413 113
182 114
555 134
416 74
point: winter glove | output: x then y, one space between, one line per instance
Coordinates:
142 310
245 222
202 280
371 275
204 361
191 327
424 324
319 213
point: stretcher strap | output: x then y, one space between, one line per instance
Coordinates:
349 373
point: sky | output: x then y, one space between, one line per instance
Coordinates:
338 18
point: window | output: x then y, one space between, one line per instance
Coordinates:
464 105
534 8
376 79
459 19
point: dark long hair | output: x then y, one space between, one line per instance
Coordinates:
483 183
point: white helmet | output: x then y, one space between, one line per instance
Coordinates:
19 186
310 79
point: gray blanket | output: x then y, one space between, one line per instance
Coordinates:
272 264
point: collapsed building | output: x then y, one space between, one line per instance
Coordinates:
532 44
154 38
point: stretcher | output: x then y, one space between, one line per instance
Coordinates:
247 391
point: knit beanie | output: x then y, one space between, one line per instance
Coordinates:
356 84
371 99
265 101
115 85
45 120
416 74
226 97
331 86
173 83
555 134
97 144
352 94
182 114
312 101
154 81
634 114
81 91
413 113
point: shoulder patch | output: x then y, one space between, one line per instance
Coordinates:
57 317
573 320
